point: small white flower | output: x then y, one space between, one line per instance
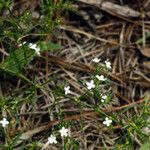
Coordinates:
96 60
4 122
52 139
104 97
90 84
107 121
67 90
63 131
22 43
100 78
102 101
108 64
35 47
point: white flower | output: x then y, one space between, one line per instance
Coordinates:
63 131
108 64
22 43
96 60
52 139
104 97
90 84
102 101
4 122
35 47
107 121
67 90
100 78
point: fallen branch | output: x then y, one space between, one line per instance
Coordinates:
112 8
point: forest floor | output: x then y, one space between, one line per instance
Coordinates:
95 84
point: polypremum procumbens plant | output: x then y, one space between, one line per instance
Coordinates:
40 111
23 39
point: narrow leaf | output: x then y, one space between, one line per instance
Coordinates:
145 146
48 46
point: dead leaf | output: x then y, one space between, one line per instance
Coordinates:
146 64
145 51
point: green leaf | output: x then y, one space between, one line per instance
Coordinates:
48 46
18 59
140 40
145 146
15 62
